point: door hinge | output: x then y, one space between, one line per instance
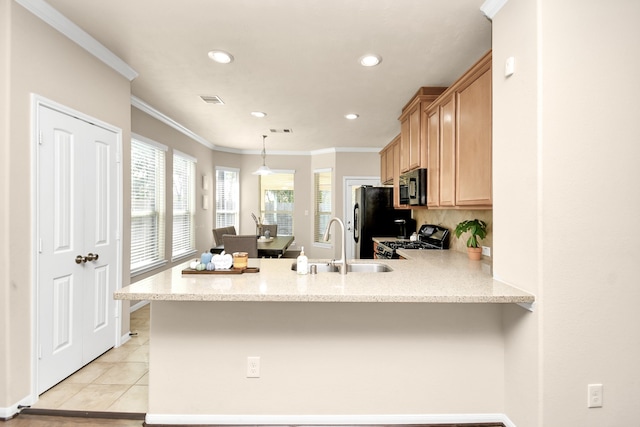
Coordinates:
39 352
41 138
118 158
39 245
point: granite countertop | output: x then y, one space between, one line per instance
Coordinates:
424 277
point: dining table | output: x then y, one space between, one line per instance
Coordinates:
273 247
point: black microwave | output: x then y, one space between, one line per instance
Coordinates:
413 187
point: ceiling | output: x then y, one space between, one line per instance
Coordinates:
296 60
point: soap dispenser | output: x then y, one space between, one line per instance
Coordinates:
302 263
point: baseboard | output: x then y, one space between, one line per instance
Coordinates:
208 419
13 410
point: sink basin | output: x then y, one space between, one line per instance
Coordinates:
324 267
368 268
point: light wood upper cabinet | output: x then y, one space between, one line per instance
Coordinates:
413 146
405 149
387 162
432 137
447 153
414 138
396 173
473 155
458 142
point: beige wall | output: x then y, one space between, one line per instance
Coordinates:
5 226
516 203
565 154
390 358
40 60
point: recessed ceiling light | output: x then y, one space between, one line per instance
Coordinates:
258 114
370 60
351 116
220 56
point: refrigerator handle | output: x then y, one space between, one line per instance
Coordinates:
356 214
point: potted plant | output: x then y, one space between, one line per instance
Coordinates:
478 230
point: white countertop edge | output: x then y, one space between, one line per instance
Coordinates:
427 277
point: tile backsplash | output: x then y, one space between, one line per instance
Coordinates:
449 218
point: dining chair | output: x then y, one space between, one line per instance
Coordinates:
241 243
219 232
273 229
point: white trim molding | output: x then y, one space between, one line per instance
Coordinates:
13 410
352 420
148 109
491 7
64 25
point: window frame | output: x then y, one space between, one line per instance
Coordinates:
291 213
190 206
317 232
235 191
159 213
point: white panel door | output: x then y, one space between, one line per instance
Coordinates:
77 228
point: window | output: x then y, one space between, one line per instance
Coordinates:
276 201
147 205
183 205
227 197
322 203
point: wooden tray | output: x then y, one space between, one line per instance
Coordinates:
225 271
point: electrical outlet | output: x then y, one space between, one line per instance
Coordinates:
594 396
253 367
486 251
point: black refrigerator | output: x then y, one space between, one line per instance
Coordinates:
374 216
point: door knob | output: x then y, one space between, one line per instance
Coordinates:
91 257
80 259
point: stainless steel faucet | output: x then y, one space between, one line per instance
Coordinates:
342 262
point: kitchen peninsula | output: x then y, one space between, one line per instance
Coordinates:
421 343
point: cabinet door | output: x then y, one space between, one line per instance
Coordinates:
404 145
473 169
414 138
447 152
383 166
396 173
432 138
390 160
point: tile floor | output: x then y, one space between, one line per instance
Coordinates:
117 381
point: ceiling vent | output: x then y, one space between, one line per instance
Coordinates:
281 130
214 99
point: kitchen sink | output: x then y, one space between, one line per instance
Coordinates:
324 267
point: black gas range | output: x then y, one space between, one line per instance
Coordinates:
429 237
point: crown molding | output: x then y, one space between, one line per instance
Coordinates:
58 21
148 109
491 7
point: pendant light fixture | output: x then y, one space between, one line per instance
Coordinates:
264 169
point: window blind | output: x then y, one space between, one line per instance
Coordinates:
227 197
183 205
147 204
322 203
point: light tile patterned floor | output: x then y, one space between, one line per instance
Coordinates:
117 381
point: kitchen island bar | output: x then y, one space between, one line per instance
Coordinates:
420 344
